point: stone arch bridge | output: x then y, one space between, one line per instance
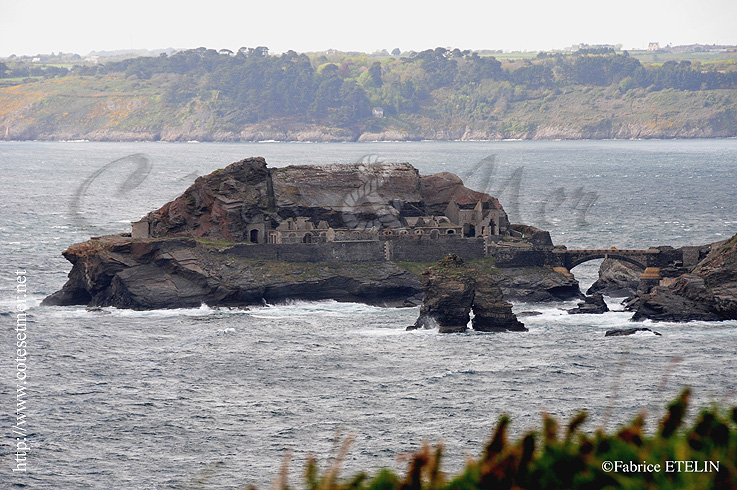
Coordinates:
651 257
650 260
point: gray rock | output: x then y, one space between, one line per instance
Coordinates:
619 332
449 292
593 304
452 290
175 273
528 313
491 312
536 285
616 279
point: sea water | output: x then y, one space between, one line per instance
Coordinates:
215 398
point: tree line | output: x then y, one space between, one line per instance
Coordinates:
251 85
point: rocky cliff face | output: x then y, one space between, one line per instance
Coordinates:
617 279
179 273
707 293
448 296
183 272
491 312
221 204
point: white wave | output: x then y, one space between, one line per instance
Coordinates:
85 312
300 308
385 332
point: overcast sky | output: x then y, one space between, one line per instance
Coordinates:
33 26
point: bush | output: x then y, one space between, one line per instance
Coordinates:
546 461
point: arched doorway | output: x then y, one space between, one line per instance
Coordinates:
307 238
253 236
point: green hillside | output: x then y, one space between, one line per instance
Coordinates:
250 95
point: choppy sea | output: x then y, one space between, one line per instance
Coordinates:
215 398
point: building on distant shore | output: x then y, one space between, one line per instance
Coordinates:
653 47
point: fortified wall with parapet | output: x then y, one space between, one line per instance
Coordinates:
340 212
364 213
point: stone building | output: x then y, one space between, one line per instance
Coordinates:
424 227
299 230
484 218
257 229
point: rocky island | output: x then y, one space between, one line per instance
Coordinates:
249 234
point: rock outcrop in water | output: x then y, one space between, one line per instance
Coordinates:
448 296
617 279
623 332
707 293
452 290
593 304
193 251
491 312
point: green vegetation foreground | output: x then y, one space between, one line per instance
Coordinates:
700 457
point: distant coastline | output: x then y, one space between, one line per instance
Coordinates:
437 94
267 134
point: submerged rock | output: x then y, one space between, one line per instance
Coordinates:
593 304
619 332
528 313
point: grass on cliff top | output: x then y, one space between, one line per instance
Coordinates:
217 243
484 266
567 459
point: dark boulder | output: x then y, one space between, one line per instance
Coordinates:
592 304
616 279
449 291
619 332
528 313
491 312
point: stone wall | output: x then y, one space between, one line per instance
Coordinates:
364 251
434 250
313 252
519 257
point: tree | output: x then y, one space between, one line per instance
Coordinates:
396 52
3 69
375 74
